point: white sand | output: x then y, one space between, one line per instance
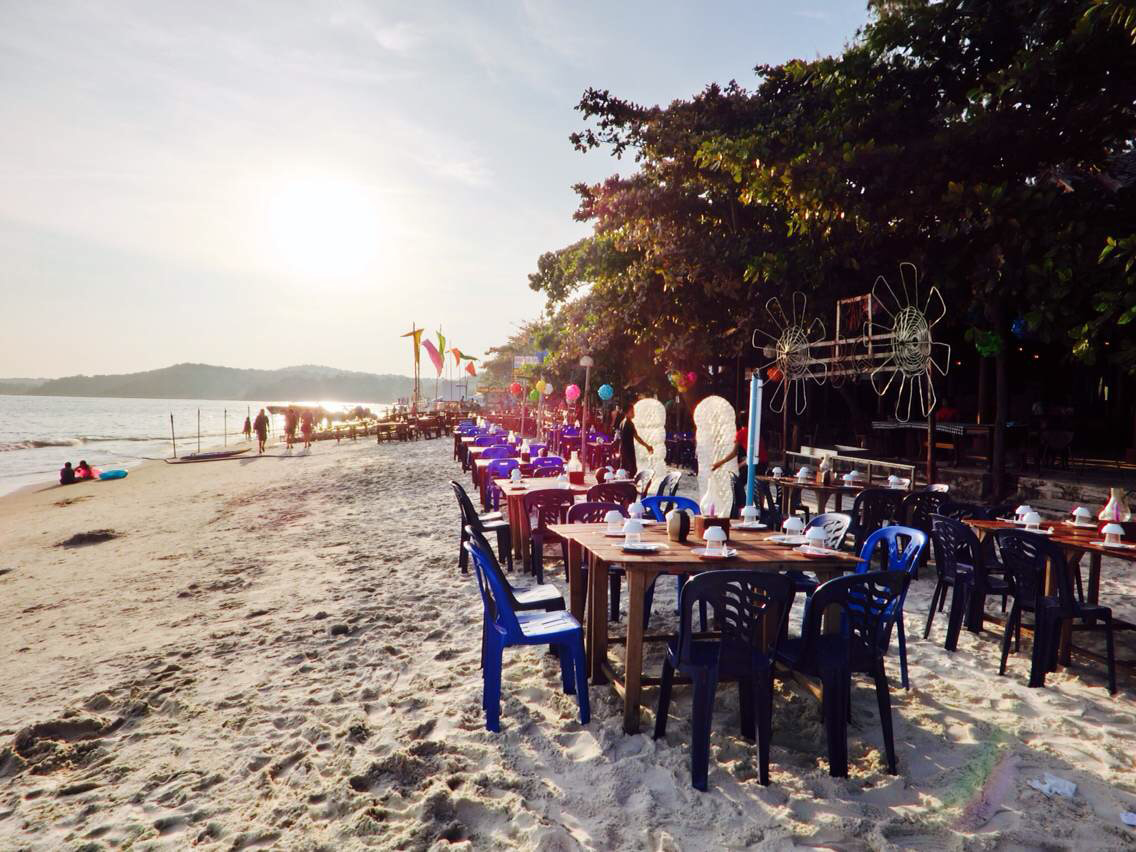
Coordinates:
189 683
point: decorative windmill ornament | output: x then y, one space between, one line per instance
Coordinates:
792 352
906 347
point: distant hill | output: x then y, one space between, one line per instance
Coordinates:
204 381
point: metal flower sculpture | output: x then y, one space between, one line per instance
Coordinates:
791 352
904 340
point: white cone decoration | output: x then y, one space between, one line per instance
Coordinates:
714 430
650 421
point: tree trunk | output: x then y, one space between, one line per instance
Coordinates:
983 390
1001 405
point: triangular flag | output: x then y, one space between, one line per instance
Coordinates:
416 333
469 368
435 355
441 341
457 353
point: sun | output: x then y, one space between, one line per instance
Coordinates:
322 227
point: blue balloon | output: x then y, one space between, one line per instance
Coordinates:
606 392
1018 328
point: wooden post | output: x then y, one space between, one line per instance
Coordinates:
225 427
173 440
930 448
199 430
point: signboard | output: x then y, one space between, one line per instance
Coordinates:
520 361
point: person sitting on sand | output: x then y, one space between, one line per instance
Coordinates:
66 474
261 426
85 471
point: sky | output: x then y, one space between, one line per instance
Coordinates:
263 184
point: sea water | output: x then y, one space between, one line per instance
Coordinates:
39 433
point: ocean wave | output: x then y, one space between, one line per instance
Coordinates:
9 446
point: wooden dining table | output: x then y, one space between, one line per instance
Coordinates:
590 605
514 493
1075 542
790 485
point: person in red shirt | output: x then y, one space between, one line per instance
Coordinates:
740 449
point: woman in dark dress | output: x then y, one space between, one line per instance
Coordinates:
627 439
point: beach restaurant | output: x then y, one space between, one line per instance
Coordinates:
793 571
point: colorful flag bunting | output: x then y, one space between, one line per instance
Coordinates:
469 368
435 355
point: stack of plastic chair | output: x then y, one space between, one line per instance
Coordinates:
869 605
960 566
1025 556
745 602
873 508
504 626
623 493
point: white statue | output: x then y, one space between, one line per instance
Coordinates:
650 419
714 431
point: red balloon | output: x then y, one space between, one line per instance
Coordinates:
691 377
515 388
774 374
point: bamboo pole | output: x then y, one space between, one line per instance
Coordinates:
199 430
173 440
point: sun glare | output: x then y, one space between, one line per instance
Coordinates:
320 228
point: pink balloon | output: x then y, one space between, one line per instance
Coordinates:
572 393
691 377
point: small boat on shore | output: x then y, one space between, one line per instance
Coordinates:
216 455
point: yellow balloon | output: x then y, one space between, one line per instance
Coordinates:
540 385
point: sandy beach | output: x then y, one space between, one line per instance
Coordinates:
280 652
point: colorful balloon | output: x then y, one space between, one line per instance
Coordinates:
691 378
605 392
539 385
515 388
572 393
547 390
773 373
534 395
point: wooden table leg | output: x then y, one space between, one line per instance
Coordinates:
633 671
577 593
596 649
515 506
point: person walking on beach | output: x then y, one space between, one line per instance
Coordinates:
248 429
261 426
739 452
306 428
628 437
290 419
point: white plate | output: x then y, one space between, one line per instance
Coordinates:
756 525
616 534
706 553
645 521
809 550
643 547
1079 526
787 539
1041 530
1104 544
1020 523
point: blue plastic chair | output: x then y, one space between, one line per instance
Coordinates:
497 469
657 505
504 626
548 461
484 441
869 605
896 557
744 601
499 452
535 448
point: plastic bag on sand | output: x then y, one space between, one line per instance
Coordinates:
1050 785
